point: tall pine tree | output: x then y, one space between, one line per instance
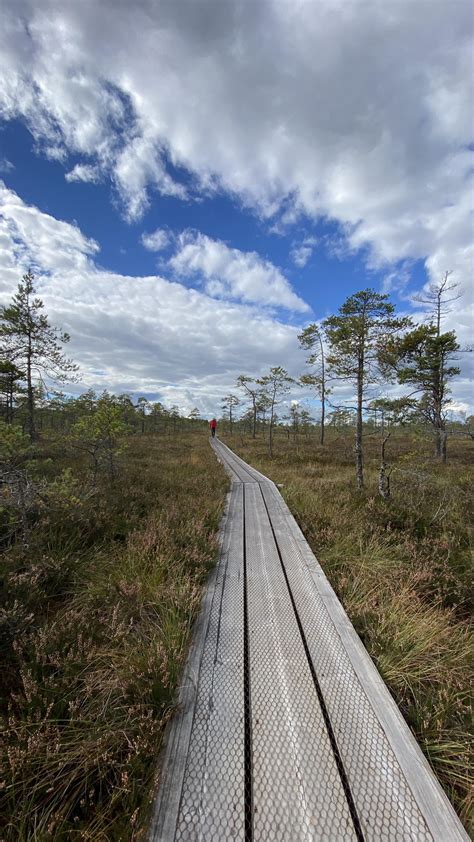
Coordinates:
365 323
33 344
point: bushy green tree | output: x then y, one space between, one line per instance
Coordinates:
423 360
100 434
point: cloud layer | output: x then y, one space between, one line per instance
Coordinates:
151 335
140 334
360 111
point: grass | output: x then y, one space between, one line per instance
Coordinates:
96 614
403 571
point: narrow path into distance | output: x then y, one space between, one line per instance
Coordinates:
285 729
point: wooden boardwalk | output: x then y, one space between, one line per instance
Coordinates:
285 730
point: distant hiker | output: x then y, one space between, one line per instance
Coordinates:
213 425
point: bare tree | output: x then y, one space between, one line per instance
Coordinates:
392 412
438 300
250 387
263 405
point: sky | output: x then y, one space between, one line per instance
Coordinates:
194 181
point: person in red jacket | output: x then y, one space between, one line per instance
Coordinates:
213 425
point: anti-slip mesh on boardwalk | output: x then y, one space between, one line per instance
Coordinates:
285 730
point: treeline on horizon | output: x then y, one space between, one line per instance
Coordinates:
365 345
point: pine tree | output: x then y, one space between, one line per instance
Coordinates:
365 323
276 383
422 358
229 403
10 386
33 344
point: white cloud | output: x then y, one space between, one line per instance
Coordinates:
139 166
32 238
230 273
301 252
83 172
150 335
139 334
6 165
156 240
365 116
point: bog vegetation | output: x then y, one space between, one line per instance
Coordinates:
109 512
105 552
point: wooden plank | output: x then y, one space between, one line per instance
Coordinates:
293 616
246 472
221 457
173 757
212 801
231 462
297 791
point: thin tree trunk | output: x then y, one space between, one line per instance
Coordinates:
23 509
270 435
441 444
10 387
444 439
358 436
384 477
323 391
30 425
440 441
323 413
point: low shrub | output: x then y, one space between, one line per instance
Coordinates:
96 614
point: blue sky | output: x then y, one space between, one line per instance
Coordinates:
282 157
324 282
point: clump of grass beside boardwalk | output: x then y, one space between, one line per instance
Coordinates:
95 619
403 571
